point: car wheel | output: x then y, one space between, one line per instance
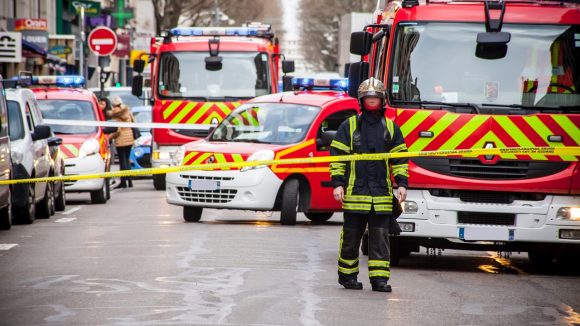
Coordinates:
99 196
27 214
6 216
192 214
108 188
159 181
290 201
319 217
60 198
46 205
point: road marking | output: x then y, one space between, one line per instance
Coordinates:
7 246
72 210
65 220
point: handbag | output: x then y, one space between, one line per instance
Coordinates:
136 133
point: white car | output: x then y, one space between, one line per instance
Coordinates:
31 157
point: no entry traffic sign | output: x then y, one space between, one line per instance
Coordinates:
102 41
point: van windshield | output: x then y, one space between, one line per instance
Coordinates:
69 110
440 62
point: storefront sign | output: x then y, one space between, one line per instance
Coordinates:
38 38
60 50
92 8
28 24
10 47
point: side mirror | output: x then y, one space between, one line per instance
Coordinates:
137 86
54 141
139 66
41 132
326 139
288 66
213 63
358 72
287 83
360 43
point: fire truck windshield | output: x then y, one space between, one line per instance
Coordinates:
184 75
68 110
271 123
438 62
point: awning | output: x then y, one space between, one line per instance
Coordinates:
35 49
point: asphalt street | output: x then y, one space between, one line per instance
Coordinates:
134 261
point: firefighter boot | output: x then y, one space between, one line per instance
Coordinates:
350 283
380 284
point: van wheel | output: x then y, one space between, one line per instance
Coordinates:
159 181
6 216
290 200
45 208
99 196
192 214
27 214
108 188
60 198
319 217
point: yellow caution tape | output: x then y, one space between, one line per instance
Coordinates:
573 154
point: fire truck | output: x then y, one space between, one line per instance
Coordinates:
482 74
199 75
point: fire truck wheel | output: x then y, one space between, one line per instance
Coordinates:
319 217
192 214
290 200
541 260
6 216
159 181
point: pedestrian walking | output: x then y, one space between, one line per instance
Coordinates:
123 138
365 187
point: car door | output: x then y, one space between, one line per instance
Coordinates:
39 153
44 149
5 162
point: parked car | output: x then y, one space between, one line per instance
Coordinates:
5 164
141 153
30 157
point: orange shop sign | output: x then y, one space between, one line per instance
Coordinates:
29 24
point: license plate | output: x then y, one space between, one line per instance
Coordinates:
486 234
209 185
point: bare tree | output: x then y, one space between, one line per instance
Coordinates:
320 26
169 12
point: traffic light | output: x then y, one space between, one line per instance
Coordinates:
117 84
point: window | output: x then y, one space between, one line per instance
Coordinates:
15 121
332 123
68 110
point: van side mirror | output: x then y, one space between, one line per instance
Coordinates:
288 66
41 132
360 43
137 85
357 73
139 66
325 139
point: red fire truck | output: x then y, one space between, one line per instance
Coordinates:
199 75
476 74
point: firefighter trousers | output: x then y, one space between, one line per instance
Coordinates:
350 239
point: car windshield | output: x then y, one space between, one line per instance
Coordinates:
441 62
143 117
272 123
15 124
184 75
68 110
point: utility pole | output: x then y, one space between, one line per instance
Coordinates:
216 13
80 7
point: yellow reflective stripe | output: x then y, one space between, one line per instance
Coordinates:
555 63
169 109
347 261
383 208
441 125
399 148
379 263
359 198
465 131
572 129
382 199
417 118
507 124
348 270
237 158
183 112
390 127
379 273
352 176
356 207
339 145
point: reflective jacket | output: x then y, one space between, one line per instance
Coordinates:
368 184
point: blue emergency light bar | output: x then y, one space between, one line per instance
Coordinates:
320 83
61 81
262 31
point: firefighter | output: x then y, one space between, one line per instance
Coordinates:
365 188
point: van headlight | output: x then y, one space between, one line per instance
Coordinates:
178 156
263 155
568 213
90 147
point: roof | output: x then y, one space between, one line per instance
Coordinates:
317 98
43 93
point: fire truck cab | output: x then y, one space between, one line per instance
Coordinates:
482 74
200 75
279 126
